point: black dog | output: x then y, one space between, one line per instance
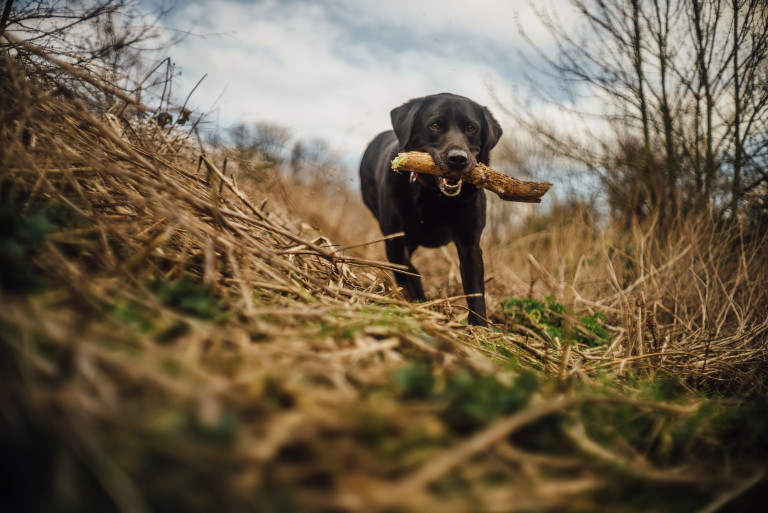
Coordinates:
433 211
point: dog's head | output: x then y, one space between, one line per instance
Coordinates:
457 132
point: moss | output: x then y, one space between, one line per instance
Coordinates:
552 320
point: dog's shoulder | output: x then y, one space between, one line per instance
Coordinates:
381 145
380 151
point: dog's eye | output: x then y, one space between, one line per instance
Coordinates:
471 128
435 126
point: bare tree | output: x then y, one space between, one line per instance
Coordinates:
750 98
269 140
608 59
314 162
104 37
684 78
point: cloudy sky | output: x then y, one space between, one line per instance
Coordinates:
334 69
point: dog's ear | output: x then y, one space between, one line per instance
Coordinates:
491 135
403 119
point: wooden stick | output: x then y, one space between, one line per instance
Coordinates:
506 187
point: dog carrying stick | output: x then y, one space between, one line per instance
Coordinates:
506 187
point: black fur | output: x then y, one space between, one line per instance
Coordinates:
457 133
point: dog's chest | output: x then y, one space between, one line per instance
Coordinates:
431 226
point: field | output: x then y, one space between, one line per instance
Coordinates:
186 331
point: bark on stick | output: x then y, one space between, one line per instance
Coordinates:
506 187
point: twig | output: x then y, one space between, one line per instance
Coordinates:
77 73
449 460
726 497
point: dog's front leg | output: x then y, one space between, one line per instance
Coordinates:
399 253
473 281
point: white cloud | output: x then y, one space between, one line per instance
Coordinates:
334 70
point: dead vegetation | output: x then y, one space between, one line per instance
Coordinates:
692 303
169 343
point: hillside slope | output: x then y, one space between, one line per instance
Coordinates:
168 344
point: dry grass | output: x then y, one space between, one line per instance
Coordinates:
171 342
693 302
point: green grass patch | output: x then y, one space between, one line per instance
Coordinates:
552 319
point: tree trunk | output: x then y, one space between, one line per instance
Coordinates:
738 144
648 175
670 157
704 81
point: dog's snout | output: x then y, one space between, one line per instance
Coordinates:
457 158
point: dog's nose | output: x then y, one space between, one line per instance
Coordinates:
457 158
